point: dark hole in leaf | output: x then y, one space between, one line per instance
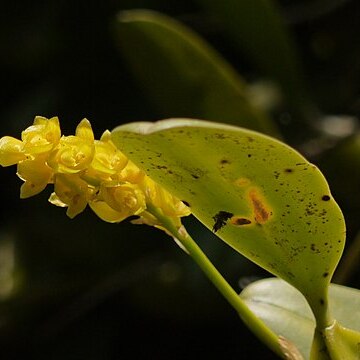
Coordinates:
220 219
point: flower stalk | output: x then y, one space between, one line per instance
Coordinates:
256 325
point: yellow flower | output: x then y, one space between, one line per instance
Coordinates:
86 171
31 154
37 139
107 162
71 192
131 173
74 153
116 202
42 136
36 175
162 199
11 151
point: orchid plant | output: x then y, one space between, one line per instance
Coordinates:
256 193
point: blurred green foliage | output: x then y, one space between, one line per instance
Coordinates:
184 76
85 289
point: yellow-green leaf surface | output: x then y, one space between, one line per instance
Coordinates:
260 196
286 312
182 74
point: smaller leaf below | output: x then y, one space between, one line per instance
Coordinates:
287 313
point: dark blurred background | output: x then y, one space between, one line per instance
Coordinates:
84 289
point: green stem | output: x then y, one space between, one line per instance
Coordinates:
318 347
250 319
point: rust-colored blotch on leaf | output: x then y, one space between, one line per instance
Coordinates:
261 210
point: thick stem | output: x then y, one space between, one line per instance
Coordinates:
319 348
253 322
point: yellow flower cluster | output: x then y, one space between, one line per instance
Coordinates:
84 172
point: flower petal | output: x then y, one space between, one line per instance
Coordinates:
36 175
55 200
84 130
160 198
107 162
105 212
73 192
127 199
72 155
11 151
42 136
132 174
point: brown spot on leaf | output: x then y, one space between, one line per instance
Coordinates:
224 161
239 221
261 210
276 174
325 198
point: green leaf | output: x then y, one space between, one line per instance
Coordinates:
260 196
182 74
287 313
342 343
258 29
